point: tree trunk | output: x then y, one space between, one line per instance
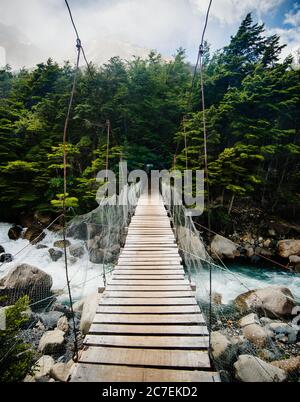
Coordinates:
231 204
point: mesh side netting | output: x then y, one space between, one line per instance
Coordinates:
93 245
223 317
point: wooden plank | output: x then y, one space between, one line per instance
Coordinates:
149 309
149 268
147 277
148 341
123 301
147 357
109 373
147 288
118 281
151 263
148 329
137 294
131 271
121 317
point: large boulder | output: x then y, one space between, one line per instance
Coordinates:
34 234
97 256
250 368
224 349
15 232
50 319
28 280
63 324
272 301
88 312
52 342
286 248
223 248
253 331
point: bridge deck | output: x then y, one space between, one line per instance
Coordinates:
148 326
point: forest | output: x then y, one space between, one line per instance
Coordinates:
252 112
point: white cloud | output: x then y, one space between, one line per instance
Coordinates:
293 17
117 27
232 11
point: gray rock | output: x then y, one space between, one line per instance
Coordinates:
272 301
223 248
249 368
55 254
50 319
97 256
41 246
52 341
216 298
76 250
2 250
26 280
34 234
288 330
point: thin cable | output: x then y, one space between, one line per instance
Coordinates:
77 37
78 46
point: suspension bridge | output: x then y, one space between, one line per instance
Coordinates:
148 326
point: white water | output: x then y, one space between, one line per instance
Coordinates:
85 277
241 278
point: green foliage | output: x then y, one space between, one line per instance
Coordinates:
252 119
16 357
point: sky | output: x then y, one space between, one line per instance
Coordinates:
33 30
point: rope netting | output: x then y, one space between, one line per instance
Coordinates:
253 333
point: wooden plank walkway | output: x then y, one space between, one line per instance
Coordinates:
148 326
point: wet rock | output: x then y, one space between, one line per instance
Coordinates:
34 234
249 252
223 248
61 371
295 262
15 232
272 301
50 319
43 367
43 218
286 248
61 243
250 368
41 246
97 256
2 250
224 349
76 250
6 257
52 341
55 254
28 280
63 324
